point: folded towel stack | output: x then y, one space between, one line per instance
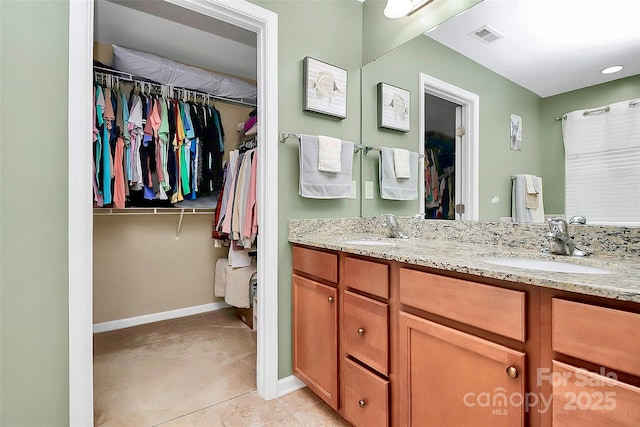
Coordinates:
393 187
317 184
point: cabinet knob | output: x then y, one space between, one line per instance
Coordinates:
362 403
330 299
512 371
360 331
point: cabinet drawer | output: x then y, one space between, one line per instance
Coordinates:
317 263
597 334
367 276
494 309
366 397
366 330
586 399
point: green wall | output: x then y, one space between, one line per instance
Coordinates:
33 227
381 34
556 106
499 98
333 36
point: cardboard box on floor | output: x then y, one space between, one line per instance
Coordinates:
246 315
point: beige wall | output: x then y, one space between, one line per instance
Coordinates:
139 268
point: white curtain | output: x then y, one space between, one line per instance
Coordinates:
602 152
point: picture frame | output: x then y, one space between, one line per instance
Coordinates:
394 108
516 133
324 88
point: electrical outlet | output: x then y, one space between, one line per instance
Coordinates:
368 190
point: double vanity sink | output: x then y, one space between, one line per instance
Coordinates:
490 250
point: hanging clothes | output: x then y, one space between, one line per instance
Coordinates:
152 150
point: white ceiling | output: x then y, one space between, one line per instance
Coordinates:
176 33
550 46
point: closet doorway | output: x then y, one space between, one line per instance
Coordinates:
449 120
242 14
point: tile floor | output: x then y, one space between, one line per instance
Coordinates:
193 371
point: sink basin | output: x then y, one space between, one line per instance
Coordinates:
546 265
369 242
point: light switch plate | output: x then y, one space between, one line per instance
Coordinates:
353 190
368 190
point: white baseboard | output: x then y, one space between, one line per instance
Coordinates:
288 385
156 317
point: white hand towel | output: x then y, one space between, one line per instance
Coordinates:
329 154
531 198
401 163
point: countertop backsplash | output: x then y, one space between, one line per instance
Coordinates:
603 240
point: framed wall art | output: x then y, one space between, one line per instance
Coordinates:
516 132
325 88
394 106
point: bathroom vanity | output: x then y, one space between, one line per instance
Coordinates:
424 332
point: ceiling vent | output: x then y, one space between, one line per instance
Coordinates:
486 34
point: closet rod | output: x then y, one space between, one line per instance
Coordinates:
153 211
101 71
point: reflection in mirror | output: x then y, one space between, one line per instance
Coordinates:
542 149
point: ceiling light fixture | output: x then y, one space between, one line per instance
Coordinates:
611 70
397 8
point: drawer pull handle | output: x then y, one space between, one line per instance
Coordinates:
330 299
360 331
362 403
512 371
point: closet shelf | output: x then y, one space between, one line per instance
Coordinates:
156 211
153 211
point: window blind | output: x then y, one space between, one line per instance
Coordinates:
602 153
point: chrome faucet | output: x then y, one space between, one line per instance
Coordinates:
560 242
392 227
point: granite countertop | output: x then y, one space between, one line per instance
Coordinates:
445 254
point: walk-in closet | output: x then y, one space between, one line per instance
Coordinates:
175 222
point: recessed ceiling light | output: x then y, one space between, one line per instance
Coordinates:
611 70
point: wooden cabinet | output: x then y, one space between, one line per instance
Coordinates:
450 378
391 344
594 361
315 323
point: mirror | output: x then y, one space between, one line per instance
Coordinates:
542 150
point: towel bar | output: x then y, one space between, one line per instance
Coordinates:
357 147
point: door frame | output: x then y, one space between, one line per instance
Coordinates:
80 213
470 103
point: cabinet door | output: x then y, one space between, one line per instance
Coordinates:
315 337
450 378
587 399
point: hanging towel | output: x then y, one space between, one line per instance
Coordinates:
531 196
238 283
392 188
519 210
220 278
315 184
401 163
329 154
